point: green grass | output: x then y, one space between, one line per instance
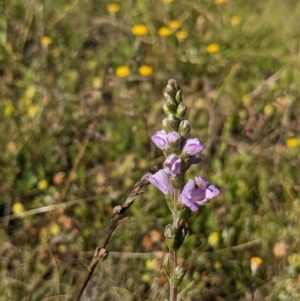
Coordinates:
74 132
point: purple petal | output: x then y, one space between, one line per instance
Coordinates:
197 193
161 180
172 164
160 139
193 147
210 190
173 137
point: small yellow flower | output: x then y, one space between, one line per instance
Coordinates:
46 41
213 48
92 64
17 208
294 260
213 239
30 92
219 2
97 82
8 110
54 229
150 264
292 142
122 71
164 31
43 184
181 35
174 24
255 263
218 265
235 20
145 70
139 30
112 8
168 1
32 110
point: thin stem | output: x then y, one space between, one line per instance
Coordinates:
173 253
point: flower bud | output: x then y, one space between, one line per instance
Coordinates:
170 107
184 128
173 122
178 96
181 110
166 125
170 236
166 265
181 233
169 93
178 275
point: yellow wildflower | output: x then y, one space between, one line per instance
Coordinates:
292 142
174 24
181 35
213 48
54 229
8 110
294 260
122 71
46 41
97 82
30 92
112 8
139 30
168 1
17 208
164 31
217 265
92 64
235 20
145 70
213 239
32 110
255 263
42 184
219 2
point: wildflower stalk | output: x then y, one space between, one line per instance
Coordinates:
180 152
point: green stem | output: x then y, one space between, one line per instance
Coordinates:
173 253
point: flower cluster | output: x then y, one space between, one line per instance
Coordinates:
181 152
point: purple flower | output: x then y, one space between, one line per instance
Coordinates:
193 147
162 140
197 193
161 180
172 164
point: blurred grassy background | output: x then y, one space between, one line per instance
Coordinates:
81 94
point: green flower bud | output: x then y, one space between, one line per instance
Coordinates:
166 265
170 107
184 128
166 125
173 122
181 110
170 237
169 94
181 233
178 96
178 275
